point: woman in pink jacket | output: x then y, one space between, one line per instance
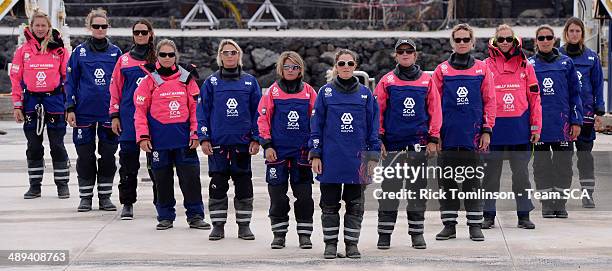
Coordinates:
37 74
518 123
166 124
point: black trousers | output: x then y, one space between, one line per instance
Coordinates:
586 165
35 152
387 208
188 171
449 206
129 161
552 170
353 197
518 156
303 207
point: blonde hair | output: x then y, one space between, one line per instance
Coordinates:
95 13
294 57
167 42
337 56
48 37
220 50
503 27
465 27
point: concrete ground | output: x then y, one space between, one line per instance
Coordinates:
98 240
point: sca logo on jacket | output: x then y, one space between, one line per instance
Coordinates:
462 94
273 173
408 107
328 92
548 86
99 74
40 77
293 117
231 107
174 109
347 123
508 102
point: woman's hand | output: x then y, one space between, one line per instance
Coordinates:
116 126
270 155
193 143
317 166
254 147
485 140
18 115
207 148
71 119
145 145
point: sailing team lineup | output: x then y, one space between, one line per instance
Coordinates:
468 116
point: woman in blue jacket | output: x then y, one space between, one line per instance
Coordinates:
561 121
591 76
344 141
87 91
227 129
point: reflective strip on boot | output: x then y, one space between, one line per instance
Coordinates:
386 227
85 191
588 184
474 217
416 226
105 188
351 234
280 227
218 215
330 233
244 210
449 216
304 228
61 172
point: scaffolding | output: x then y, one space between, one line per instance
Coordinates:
257 20
200 7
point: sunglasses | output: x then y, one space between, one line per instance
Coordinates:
405 51
229 53
291 67
542 38
506 39
164 54
343 63
464 40
140 32
98 26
